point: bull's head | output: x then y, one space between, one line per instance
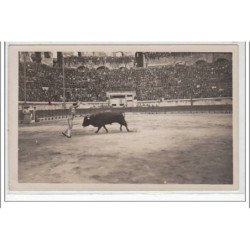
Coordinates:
86 121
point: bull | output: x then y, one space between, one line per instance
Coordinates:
100 120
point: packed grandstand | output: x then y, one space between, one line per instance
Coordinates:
200 80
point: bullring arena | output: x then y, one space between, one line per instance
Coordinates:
178 107
171 147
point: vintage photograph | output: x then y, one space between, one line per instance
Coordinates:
133 115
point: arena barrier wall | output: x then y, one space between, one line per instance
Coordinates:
187 102
43 111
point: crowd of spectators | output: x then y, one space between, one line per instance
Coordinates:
203 80
74 61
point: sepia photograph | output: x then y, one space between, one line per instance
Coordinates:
123 117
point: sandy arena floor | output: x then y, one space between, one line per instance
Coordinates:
163 148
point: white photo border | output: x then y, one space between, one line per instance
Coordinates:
161 196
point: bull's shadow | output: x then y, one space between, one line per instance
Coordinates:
82 132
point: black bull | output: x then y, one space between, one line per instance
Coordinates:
101 119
